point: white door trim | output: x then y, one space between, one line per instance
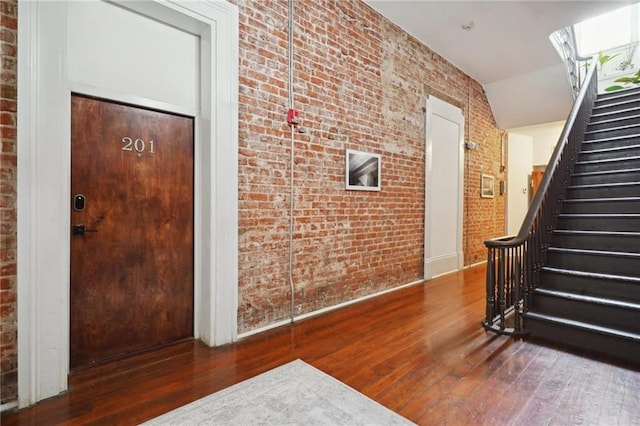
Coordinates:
44 169
437 265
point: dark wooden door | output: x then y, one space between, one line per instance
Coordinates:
132 230
536 178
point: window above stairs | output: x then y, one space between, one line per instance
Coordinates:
613 38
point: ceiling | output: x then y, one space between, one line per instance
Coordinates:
508 49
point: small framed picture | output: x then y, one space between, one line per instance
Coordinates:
487 186
362 172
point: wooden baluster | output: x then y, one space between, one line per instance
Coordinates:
491 285
501 283
517 326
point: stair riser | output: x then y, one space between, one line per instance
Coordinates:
600 224
607 316
609 143
620 177
618 347
604 192
622 164
591 286
588 207
630 244
612 133
625 119
632 151
602 264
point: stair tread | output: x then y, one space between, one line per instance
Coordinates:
609 160
595 275
604 185
630 99
595 252
589 299
602 215
605 172
584 325
620 112
600 199
612 129
620 117
613 149
611 139
597 233
600 99
625 92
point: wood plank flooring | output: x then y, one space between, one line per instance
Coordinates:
420 351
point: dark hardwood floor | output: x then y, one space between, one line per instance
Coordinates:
419 351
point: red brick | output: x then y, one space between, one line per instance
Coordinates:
8 173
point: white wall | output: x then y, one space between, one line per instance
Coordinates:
544 137
527 148
517 100
519 166
111 48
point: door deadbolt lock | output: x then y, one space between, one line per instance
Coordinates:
79 202
81 230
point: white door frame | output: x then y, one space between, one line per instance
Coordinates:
44 169
432 265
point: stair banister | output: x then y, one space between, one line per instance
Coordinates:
514 262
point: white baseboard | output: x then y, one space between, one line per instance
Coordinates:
475 264
441 265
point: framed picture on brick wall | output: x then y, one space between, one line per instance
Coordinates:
487 186
362 170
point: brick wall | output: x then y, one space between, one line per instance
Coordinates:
8 98
361 83
484 217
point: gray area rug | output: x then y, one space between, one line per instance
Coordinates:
292 394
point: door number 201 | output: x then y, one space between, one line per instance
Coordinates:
138 145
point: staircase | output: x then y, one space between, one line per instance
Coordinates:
589 290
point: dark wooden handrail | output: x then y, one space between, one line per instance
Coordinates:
514 262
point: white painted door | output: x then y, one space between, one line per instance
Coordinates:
443 188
